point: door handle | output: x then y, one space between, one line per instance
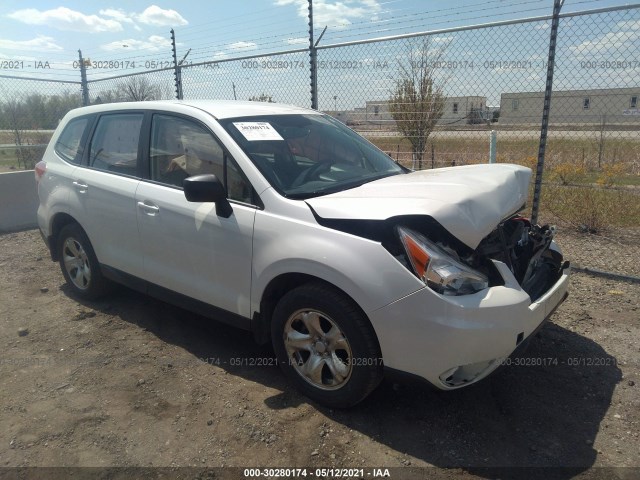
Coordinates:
81 187
149 209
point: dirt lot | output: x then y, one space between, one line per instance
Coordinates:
131 381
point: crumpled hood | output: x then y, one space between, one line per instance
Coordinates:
469 201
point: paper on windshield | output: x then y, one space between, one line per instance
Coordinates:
254 131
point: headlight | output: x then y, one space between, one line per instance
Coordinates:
437 269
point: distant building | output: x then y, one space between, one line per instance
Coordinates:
350 117
610 105
457 111
464 110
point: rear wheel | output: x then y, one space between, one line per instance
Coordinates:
79 264
326 346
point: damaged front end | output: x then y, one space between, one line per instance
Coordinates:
450 268
529 252
480 301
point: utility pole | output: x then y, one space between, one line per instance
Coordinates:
557 5
177 71
84 84
313 58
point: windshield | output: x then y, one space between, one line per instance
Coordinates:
304 156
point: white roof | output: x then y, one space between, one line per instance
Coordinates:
218 108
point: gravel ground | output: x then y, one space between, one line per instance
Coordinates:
133 382
616 252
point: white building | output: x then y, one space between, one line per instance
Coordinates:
611 106
457 111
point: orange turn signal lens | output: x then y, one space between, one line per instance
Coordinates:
419 258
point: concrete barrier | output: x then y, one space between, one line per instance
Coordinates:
18 201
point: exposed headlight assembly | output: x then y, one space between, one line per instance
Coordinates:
437 269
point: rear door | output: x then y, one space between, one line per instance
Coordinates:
103 191
188 248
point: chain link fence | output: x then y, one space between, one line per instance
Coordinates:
137 87
593 157
282 78
30 110
444 98
431 100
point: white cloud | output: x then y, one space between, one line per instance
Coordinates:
445 39
243 46
153 15
108 20
64 18
40 43
18 58
336 14
618 41
630 24
117 14
297 41
157 16
153 44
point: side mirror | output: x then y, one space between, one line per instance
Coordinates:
207 188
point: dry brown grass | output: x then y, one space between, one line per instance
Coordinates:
576 192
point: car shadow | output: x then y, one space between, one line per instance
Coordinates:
544 409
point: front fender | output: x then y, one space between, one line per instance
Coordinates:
362 268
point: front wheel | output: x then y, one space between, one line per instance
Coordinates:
79 264
326 346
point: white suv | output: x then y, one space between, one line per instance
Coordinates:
283 221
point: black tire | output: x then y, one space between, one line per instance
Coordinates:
79 264
335 367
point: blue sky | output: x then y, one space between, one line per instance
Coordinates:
36 34
53 30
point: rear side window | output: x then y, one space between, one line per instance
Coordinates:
114 146
69 145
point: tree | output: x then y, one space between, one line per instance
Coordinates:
29 146
417 100
137 88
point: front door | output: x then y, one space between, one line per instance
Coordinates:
187 247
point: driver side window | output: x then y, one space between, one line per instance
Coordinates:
181 148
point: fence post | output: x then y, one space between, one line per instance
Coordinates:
492 146
313 58
557 5
177 71
84 85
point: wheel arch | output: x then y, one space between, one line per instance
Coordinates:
280 286
59 221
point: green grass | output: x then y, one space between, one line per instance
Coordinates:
592 209
9 155
8 159
624 180
586 203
